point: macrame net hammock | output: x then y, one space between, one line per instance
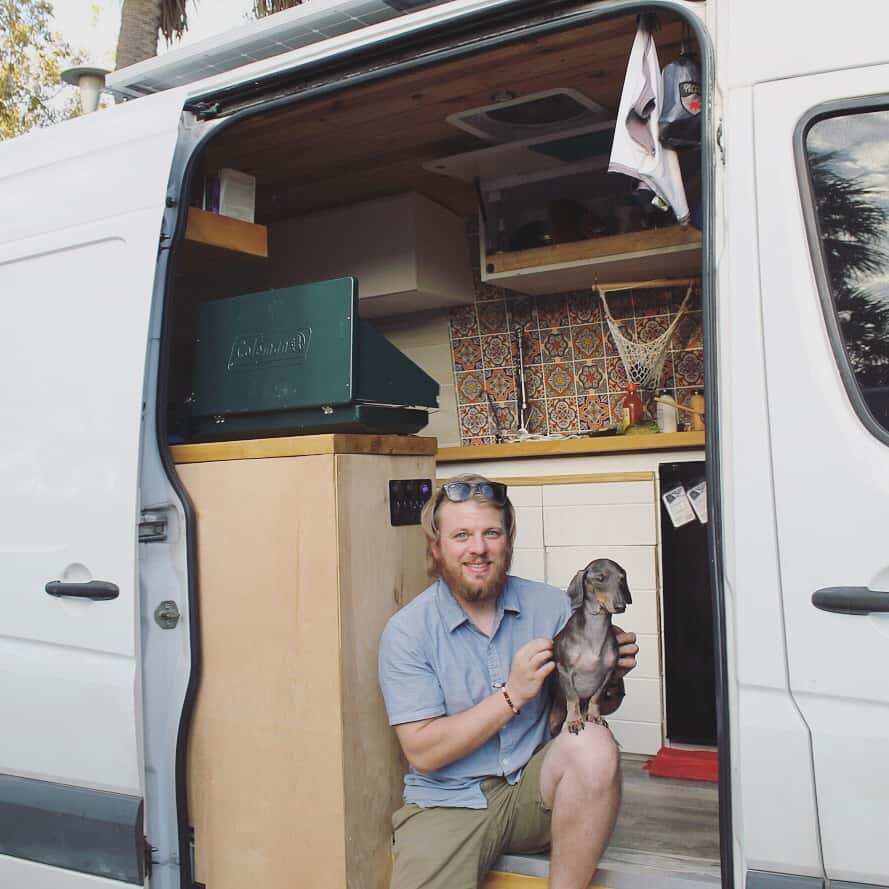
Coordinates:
644 361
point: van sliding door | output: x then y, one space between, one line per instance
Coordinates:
83 203
821 153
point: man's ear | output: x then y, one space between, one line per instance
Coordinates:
575 590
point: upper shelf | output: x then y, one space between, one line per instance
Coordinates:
227 233
656 253
609 444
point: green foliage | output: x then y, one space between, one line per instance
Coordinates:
853 226
32 58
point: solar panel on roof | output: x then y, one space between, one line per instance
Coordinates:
283 32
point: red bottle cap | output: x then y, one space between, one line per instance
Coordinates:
631 387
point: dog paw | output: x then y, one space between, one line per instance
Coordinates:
575 726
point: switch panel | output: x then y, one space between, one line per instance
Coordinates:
406 499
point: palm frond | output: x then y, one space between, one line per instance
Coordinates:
269 7
174 19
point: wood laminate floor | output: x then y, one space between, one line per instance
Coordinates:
666 820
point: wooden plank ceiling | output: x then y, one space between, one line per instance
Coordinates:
370 140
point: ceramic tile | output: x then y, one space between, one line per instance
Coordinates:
584 307
688 368
532 348
500 384
536 417
492 316
522 313
464 322
593 412
534 384
620 304
470 387
617 375
627 326
478 440
505 418
653 302
689 333
590 376
558 380
666 380
650 328
556 344
552 311
587 341
496 350
562 415
467 354
474 420
616 403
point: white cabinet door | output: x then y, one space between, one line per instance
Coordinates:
79 235
830 462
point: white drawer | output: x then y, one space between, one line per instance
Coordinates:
628 524
598 493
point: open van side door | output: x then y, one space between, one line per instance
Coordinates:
79 233
822 144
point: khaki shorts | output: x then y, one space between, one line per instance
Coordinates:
451 848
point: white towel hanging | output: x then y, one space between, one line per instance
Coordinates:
636 150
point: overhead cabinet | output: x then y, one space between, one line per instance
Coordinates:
553 219
407 252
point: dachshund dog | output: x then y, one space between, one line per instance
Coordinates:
585 649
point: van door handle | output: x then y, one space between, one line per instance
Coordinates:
851 600
97 590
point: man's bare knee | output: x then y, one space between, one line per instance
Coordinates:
589 760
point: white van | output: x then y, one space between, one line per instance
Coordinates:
331 106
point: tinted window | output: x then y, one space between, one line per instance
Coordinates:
848 162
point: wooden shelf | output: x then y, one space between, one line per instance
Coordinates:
304 446
226 233
610 444
656 253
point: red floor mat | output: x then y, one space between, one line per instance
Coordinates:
696 765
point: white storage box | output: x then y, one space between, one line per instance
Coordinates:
407 252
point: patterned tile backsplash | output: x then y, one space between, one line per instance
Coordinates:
575 381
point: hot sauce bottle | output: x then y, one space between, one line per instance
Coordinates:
632 406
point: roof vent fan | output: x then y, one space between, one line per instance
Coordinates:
538 114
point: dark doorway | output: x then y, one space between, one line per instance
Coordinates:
688 617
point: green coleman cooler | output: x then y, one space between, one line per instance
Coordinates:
299 360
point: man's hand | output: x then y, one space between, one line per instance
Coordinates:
532 663
627 649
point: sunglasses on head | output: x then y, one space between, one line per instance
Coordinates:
460 491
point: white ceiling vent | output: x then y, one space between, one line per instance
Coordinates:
538 114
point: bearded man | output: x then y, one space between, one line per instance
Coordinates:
463 669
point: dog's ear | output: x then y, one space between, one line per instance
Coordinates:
625 589
576 590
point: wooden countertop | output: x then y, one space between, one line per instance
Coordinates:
303 446
606 444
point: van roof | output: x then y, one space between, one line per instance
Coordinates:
264 39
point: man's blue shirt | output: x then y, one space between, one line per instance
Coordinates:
435 662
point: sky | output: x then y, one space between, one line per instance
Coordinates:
861 142
91 26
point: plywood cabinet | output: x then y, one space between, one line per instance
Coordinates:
293 769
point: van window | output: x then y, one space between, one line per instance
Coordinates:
847 156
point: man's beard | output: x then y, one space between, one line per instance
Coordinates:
470 592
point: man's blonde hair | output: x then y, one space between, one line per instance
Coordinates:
429 517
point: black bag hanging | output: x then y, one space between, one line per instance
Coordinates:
680 119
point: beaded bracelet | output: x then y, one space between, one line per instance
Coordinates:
509 700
